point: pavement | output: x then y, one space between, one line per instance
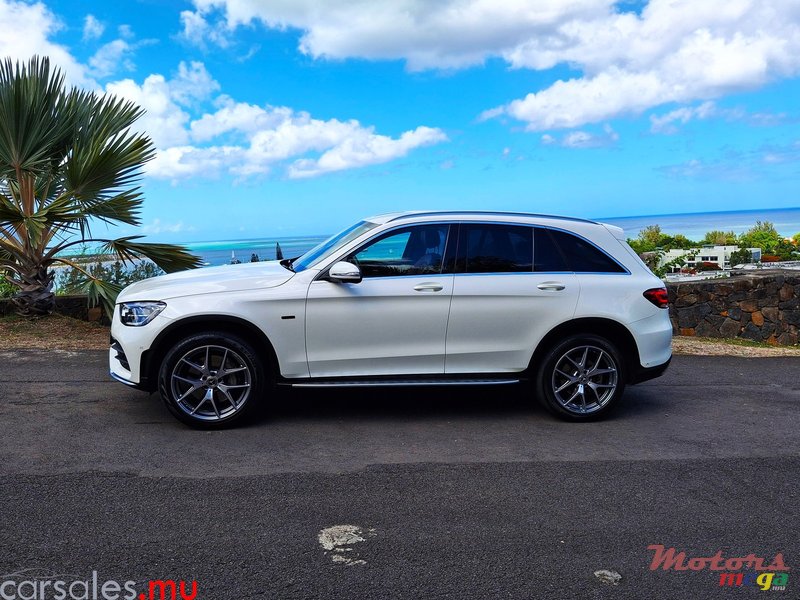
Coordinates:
414 493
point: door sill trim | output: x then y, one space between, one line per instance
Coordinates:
399 382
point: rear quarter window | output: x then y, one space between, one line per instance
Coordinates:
581 256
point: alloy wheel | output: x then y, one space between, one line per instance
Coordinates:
211 383
584 379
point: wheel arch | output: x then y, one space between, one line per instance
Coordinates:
180 329
612 330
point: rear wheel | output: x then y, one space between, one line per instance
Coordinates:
211 380
582 378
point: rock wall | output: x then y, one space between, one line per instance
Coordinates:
763 307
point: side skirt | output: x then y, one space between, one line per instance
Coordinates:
333 382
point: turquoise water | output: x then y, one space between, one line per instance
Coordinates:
693 225
220 253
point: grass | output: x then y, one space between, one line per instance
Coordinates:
55 332
739 342
729 347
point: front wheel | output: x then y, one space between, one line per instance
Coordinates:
211 380
582 378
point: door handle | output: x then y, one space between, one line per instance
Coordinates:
551 286
428 287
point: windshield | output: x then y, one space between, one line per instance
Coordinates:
331 245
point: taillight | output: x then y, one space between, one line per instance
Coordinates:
658 296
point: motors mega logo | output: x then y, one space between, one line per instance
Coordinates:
745 571
23 587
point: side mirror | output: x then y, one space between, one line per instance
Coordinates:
345 272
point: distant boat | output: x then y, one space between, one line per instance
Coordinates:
278 251
234 260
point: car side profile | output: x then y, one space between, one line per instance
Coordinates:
420 298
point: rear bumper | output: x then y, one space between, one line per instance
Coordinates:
646 373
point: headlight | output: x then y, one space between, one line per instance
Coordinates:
136 314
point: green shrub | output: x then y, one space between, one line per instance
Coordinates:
6 289
71 281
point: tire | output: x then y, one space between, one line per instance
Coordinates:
582 378
225 393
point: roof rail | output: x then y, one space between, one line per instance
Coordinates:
435 213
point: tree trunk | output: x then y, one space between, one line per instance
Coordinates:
35 296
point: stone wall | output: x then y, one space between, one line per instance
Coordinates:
76 307
763 307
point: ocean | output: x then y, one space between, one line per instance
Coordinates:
692 225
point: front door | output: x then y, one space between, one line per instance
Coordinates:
394 321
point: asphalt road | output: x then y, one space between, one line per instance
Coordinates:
455 493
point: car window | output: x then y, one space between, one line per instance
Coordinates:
329 246
547 256
582 256
415 250
489 248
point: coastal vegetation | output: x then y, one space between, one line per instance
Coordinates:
652 243
71 280
68 160
761 235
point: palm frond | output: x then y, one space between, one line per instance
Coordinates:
69 158
169 257
34 116
97 290
105 156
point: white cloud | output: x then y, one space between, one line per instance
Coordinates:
677 51
110 57
183 162
193 83
270 136
166 119
583 139
365 148
674 51
666 123
789 153
156 226
125 31
27 29
236 117
236 139
92 28
245 140
197 31
441 34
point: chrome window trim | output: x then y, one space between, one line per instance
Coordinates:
357 245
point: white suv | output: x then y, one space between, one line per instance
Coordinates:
423 298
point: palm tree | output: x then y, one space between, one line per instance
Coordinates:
68 159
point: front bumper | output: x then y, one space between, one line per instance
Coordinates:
129 346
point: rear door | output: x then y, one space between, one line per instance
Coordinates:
511 286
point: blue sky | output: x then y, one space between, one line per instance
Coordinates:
288 118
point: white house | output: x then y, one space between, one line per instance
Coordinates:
720 255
